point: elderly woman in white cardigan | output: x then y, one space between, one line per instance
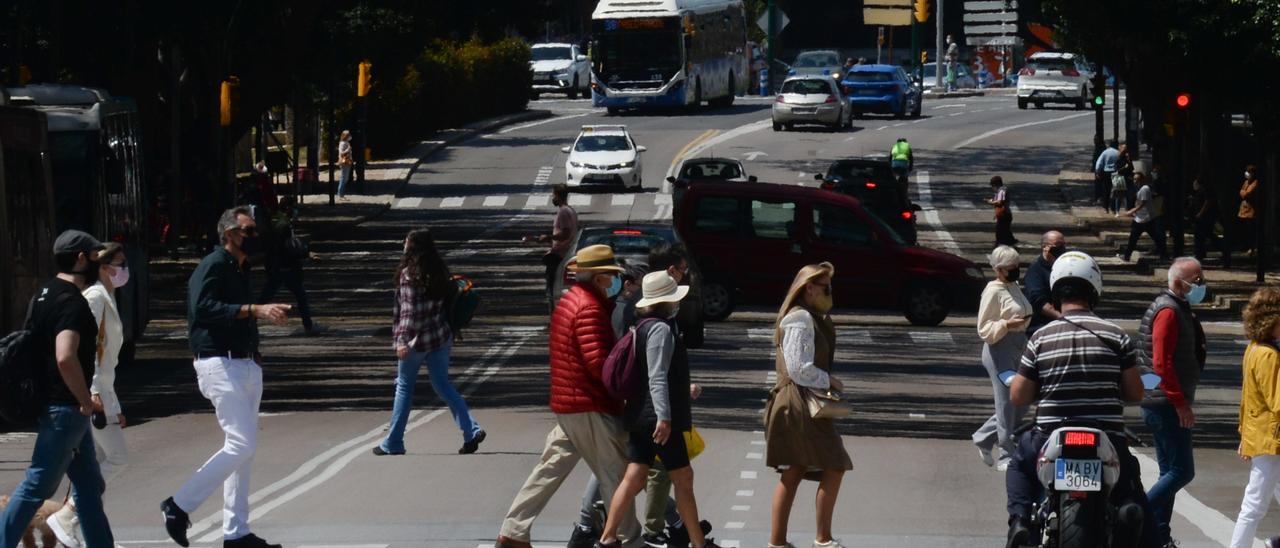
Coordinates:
1002 317
113 272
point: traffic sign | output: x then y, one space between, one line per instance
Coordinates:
897 13
763 21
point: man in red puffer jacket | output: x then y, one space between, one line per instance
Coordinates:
587 417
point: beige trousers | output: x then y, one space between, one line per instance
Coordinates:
596 438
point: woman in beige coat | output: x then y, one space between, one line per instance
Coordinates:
798 445
1003 314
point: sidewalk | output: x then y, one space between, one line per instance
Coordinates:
1130 285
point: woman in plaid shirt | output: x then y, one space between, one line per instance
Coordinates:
421 333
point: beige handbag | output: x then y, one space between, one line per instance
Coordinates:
826 404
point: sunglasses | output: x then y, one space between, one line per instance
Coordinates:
247 230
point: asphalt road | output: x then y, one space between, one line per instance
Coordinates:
918 392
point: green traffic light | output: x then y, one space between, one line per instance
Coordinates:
1099 100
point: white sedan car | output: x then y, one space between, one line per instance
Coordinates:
1052 77
560 68
604 155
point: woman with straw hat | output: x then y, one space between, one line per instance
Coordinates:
656 421
798 445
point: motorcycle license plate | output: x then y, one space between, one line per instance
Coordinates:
1078 475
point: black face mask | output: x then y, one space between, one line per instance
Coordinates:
1013 275
250 245
1057 250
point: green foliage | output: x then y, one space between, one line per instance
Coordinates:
448 85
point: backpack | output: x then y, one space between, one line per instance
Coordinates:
23 390
622 378
462 307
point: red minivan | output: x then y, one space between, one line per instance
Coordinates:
750 240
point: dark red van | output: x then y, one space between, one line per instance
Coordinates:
750 240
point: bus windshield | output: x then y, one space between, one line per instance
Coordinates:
638 56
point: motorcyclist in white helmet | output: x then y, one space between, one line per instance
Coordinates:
1077 367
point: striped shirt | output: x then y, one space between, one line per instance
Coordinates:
1077 373
420 322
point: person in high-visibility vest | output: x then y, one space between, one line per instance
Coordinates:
901 159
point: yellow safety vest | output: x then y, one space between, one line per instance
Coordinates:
901 151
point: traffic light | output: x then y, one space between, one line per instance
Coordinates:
364 80
229 100
922 11
1099 99
1183 100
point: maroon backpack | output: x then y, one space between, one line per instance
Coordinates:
623 379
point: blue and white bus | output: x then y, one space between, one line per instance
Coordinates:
664 53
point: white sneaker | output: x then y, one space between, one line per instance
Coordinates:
1002 465
833 543
66 526
987 459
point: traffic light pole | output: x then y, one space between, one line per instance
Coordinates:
938 23
772 12
1100 89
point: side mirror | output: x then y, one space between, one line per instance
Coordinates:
915 207
753 179
817 176
671 179
641 148
564 150
580 58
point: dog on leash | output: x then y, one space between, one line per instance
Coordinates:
38 534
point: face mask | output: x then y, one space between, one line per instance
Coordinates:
250 245
1013 275
1057 250
121 276
1196 295
1248 175
615 287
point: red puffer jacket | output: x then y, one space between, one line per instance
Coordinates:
581 338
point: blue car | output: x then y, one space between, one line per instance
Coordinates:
882 89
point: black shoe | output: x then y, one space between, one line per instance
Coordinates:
176 521
1019 534
473 445
582 537
656 540
379 451
615 544
678 537
710 543
249 541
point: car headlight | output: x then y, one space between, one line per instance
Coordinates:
975 272
575 164
562 76
627 164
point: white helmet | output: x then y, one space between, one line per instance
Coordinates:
1074 264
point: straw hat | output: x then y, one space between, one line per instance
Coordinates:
660 287
595 258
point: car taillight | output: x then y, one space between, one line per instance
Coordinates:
872 184
828 185
628 232
831 99
1027 71
907 215
1080 439
1070 72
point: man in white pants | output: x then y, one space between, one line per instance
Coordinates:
222 327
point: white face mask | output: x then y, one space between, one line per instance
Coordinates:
121 276
1248 175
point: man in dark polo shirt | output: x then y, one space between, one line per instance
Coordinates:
222 325
66 338
1077 367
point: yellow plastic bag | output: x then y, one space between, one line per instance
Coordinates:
694 443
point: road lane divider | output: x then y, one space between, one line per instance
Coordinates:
680 154
930 213
1006 129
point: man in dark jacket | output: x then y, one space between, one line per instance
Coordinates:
1173 341
588 426
1038 292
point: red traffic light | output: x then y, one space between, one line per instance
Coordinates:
1183 100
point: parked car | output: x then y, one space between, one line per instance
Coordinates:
884 89
964 77
871 181
560 68
750 240
605 155
631 243
695 170
820 62
811 100
1054 77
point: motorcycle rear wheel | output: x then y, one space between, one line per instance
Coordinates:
1081 523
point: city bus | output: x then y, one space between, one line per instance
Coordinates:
26 212
668 53
95 181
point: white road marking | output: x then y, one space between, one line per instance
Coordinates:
540 122
730 544
747 474
757 442
349 450
579 200
495 201
728 136
1211 522
920 121
538 201
741 508
453 201
625 200
734 525
955 114
882 128
662 199
995 132
760 333
953 105
899 124
860 337
408 203
963 204
916 415
931 338
745 493
755 456
931 214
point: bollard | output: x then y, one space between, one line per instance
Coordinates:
764 82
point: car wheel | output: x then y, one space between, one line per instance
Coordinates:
534 96
1039 104
573 90
926 304
777 126
1081 104
1022 104
717 301
790 126
613 111
902 110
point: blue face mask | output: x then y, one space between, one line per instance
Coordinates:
615 287
1196 295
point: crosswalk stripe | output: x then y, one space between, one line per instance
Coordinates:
923 337
579 200
409 203
538 201
963 204
859 337
624 200
662 199
453 201
495 201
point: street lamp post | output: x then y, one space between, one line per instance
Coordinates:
938 22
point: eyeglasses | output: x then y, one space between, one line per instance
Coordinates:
248 230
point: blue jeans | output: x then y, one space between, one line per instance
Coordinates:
63 447
1177 463
407 378
343 180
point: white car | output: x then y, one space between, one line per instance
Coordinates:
560 68
604 155
1052 77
